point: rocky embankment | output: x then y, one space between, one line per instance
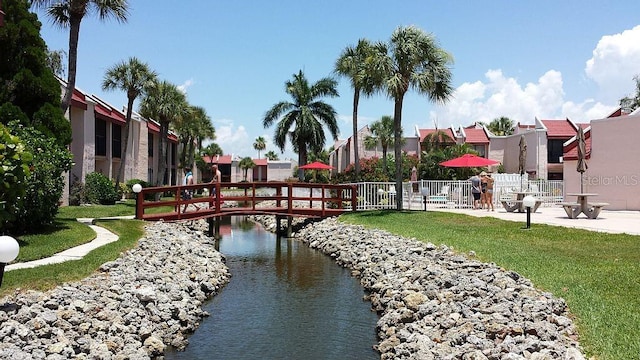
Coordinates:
436 304
132 308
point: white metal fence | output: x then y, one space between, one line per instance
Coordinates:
418 195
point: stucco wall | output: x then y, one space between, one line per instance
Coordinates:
613 171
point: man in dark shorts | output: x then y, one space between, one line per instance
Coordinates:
475 190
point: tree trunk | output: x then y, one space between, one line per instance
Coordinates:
302 159
356 100
397 144
74 34
125 143
162 161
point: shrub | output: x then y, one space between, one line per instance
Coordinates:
14 172
76 193
100 190
143 183
45 185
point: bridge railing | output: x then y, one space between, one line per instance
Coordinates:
295 199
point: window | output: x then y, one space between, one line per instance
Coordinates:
101 137
150 144
480 149
174 153
554 151
116 141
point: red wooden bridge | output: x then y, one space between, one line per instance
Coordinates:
282 199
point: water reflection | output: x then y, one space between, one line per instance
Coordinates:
284 301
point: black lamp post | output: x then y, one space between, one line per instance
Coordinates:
425 192
137 188
528 202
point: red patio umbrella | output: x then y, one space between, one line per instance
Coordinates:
469 160
316 165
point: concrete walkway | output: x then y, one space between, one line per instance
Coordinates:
103 237
610 221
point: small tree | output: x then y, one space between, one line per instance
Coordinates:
260 144
246 164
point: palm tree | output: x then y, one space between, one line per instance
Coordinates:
631 103
260 144
413 60
437 140
193 129
501 126
381 133
133 77
306 114
271 155
353 63
166 103
245 164
69 13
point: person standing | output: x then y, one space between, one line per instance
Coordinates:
489 193
483 190
187 194
475 190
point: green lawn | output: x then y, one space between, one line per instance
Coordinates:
64 233
598 274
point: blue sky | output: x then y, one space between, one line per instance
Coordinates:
521 59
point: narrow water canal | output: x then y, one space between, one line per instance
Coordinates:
284 301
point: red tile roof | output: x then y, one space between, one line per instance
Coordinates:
571 150
476 136
222 159
260 162
559 129
424 132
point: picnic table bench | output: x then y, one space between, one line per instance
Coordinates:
590 209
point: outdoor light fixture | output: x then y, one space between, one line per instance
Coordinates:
528 202
9 250
136 189
425 192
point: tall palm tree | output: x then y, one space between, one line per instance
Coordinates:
165 103
260 144
413 60
133 77
271 155
381 133
193 129
69 13
353 63
306 115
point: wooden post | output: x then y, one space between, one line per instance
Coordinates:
289 226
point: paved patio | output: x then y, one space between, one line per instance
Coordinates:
609 221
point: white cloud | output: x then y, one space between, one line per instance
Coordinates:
500 95
614 63
185 85
612 68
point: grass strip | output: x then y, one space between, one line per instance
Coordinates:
598 274
49 276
